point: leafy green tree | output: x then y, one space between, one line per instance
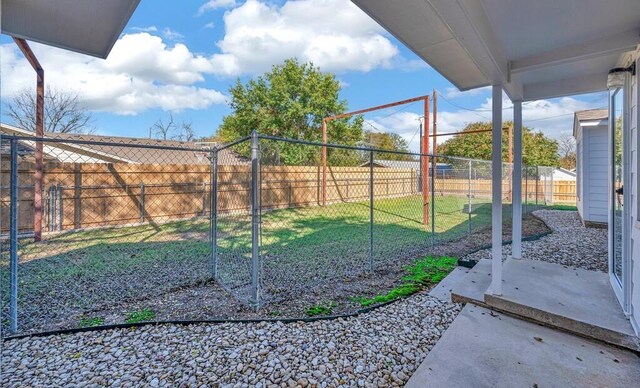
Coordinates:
537 149
388 141
291 101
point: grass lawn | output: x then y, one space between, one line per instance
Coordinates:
300 248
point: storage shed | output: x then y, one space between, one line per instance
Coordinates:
592 151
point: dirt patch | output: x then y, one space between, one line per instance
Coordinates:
208 300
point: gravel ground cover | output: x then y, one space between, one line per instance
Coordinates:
310 256
570 244
380 348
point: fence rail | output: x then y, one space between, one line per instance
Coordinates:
130 232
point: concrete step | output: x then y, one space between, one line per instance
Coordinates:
485 349
578 301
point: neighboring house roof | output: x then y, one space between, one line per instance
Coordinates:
564 174
114 149
589 117
88 27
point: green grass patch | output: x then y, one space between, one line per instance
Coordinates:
91 322
321 309
562 207
143 315
423 273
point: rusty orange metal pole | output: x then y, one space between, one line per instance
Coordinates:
324 162
349 114
435 124
39 174
425 165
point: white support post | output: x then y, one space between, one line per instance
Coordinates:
516 245
496 191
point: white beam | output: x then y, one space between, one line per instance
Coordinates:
608 45
496 191
565 87
516 245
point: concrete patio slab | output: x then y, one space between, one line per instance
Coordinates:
485 349
576 300
443 290
471 288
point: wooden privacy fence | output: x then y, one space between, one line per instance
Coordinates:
86 195
544 191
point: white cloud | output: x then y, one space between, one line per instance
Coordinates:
141 73
145 29
172 35
215 4
333 34
455 93
210 25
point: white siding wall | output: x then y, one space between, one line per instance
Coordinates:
635 208
580 173
596 167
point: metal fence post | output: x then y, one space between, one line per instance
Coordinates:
371 253
60 210
13 239
537 179
469 201
142 202
434 171
255 222
213 221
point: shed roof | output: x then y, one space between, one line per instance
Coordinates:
589 117
592 114
86 26
535 49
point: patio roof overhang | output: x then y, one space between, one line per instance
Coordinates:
89 26
534 49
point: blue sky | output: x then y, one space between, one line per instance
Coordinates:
182 56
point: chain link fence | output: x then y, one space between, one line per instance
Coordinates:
131 226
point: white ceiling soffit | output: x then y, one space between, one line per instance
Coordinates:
537 49
87 26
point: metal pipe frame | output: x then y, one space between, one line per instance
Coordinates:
353 113
214 212
13 240
255 222
39 174
371 220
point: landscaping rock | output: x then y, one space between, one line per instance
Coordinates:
379 348
570 243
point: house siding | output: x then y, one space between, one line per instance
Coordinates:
579 173
634 249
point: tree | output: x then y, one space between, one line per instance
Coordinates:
63 113
162 128
537 149
388 141
291 101
185 132
567 152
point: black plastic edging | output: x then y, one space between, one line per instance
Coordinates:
204 321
